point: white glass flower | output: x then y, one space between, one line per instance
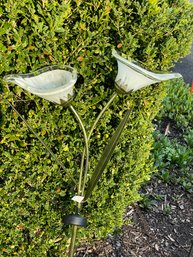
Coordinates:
53 83
132 77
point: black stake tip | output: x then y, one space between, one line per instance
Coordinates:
75 219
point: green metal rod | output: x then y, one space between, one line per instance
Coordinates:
85 147
106 155
72 242
101 113
85 153
42 142
92 129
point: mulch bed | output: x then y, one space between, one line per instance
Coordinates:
165 230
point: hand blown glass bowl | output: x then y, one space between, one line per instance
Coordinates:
132 77
53 83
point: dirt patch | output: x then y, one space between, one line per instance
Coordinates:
165 230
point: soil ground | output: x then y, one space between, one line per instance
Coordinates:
165 230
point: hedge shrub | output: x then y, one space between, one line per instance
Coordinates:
35 193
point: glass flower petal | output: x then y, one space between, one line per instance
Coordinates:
53 83
132 77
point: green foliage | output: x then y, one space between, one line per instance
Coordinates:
188 137
174 156
174 160
173 151
35 193
147 202
178 104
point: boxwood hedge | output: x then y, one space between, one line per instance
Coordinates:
35 192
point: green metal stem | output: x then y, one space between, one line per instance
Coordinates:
42 142
92 129
72 242
85 152
101 113
106 155
85 147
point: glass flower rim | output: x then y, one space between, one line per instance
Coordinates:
138 67
40 71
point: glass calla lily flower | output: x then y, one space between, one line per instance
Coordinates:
53 83
132 77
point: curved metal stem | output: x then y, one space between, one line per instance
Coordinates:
106 155
42 142
85 152
101 113
92 129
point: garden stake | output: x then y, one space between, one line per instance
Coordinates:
56 84
81 189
